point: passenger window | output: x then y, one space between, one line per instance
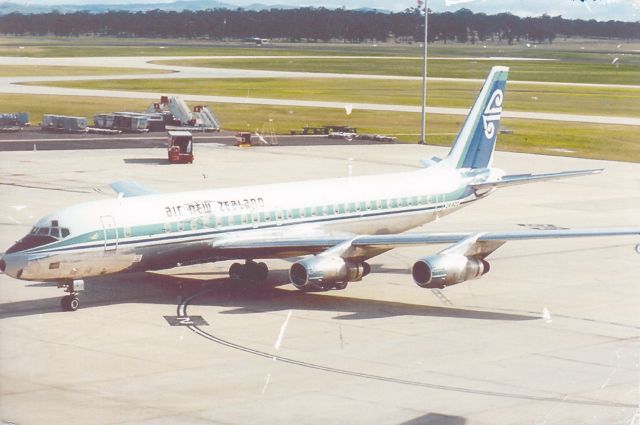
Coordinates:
65 232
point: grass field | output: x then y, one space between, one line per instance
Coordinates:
36 71
601 51
520 97
566 139
574 72
582 61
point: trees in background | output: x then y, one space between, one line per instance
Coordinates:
315 24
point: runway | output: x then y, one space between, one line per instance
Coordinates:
15 85
551 335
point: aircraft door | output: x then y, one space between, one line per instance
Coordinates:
110 233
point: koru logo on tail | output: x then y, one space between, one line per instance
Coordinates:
492 113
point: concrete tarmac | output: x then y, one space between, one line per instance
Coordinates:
550 336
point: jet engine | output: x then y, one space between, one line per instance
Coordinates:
318 273
438 271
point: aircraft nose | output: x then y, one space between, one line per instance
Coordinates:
13 264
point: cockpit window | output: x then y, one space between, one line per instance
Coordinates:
55 231
39 236
31 241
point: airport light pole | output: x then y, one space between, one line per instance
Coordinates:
424 75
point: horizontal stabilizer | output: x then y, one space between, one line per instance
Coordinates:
515 179
130 189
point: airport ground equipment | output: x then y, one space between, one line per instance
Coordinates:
243 139
17 119
324 130
126 122
180 150
64 124
205 118
201 118
246 139
130 122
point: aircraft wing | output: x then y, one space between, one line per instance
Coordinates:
367 246
515 179
129 189
394 241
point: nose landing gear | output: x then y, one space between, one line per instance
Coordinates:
71 302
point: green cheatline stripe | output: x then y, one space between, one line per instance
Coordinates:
393 205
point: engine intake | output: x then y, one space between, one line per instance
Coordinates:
438 271
325 272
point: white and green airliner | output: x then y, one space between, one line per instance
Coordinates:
335 225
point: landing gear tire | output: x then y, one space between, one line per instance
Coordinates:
69 303
251 270
236 271
260 272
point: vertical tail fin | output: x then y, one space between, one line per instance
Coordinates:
473 148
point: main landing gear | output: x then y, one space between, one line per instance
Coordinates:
250 270
71 302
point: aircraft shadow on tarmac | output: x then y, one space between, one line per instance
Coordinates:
147 161
436 419
234 297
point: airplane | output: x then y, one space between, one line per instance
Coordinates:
335 225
